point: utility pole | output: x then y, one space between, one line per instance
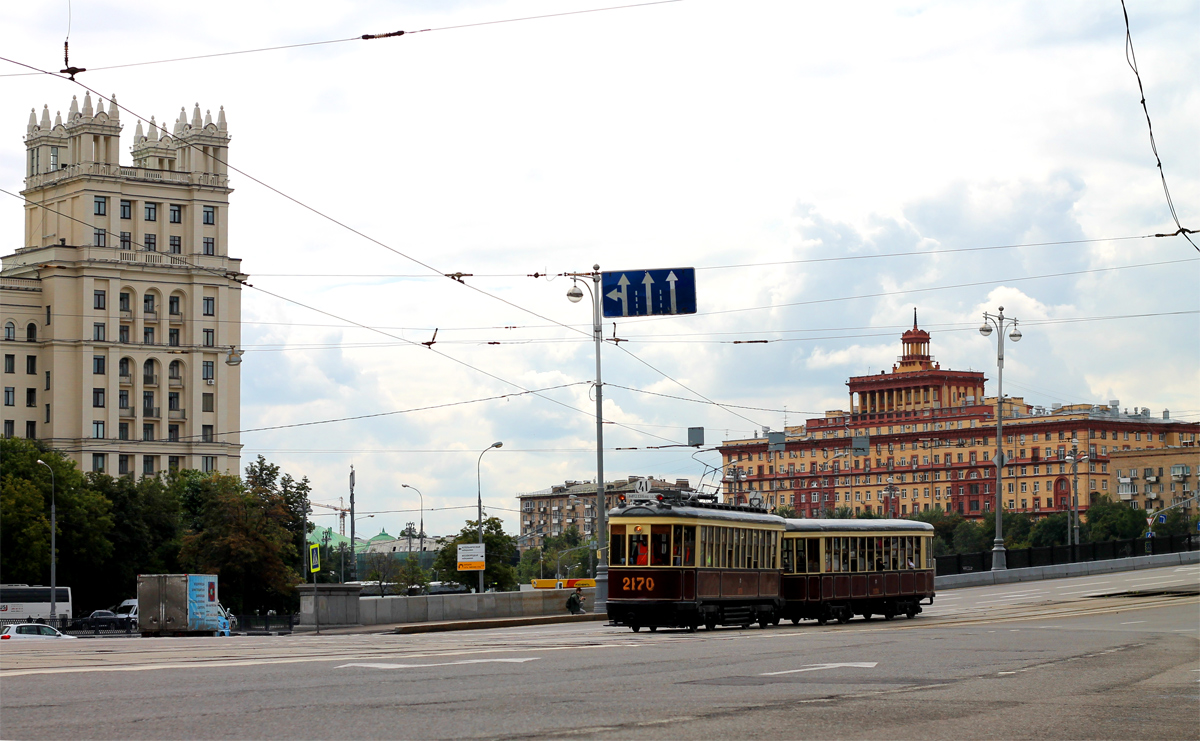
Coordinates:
353 554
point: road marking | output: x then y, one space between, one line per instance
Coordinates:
819 667
1133 622
447 663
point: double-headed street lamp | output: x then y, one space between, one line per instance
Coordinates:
1074 458
53 551
999 321
575 295
421 535
479 496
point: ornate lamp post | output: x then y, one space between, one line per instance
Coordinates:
479 496
421 535
999 321
1074 458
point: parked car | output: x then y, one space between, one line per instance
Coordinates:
30 630
101 620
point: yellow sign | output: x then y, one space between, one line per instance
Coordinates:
470 565
314 557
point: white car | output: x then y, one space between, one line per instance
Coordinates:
30 630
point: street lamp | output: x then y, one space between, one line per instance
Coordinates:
479 497
1074 458
999 321
575 295
891 494
53 553
422 496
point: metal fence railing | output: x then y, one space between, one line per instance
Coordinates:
79 626
966 563
265 623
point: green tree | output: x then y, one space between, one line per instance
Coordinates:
944 524
1177 523
785 511
411 574
501 551
970 537
263 481
843 512
1050 530
1108 520
383 569
532 565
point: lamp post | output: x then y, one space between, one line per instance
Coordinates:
421 535
53 552
575 295
1074 458
479 499
891 493
999 321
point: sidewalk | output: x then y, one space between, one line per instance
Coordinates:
448 625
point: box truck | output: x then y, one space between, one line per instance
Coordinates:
180 604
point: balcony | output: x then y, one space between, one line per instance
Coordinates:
151 412
149 379
175 382
127 412
1152 479
150 316
177 414
126 379
176 317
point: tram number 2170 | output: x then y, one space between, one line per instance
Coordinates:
637 584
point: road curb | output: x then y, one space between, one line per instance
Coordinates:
438 627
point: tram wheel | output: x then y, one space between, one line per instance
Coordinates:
653 628
843 618
710 625
822 620
910 613
889 615
867 616
691 628
635 628
795 621
764 622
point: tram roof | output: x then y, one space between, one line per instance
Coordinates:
831 525
655 509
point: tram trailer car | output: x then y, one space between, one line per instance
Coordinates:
679 562
836 569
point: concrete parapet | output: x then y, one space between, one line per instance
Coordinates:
338 604
448 607
1060 571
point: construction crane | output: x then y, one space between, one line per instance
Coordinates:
342 512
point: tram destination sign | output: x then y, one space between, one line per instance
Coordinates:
664 292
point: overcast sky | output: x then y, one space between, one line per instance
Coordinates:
703 133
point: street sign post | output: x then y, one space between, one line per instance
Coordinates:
471 557
648 292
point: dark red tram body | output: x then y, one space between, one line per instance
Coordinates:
677 562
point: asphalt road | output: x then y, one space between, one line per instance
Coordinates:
1054 659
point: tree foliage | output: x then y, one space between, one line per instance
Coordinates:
1107 520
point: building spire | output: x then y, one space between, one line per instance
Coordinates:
32 120
45 124
914 317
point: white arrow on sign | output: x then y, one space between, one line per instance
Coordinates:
819 667
448 663
621 294
671 279
647 281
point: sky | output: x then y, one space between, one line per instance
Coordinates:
825 167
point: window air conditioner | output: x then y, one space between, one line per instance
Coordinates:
210 381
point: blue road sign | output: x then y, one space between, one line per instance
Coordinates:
648 292
1162 519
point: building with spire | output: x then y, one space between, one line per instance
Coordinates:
121 307
920 437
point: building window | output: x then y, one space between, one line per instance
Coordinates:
126 241
176 213
123 465
210 306
173 337
173 306
98 398
100 206
148 465
173 462
126 209
10 396
123 333
47 414
31 397
210 215
124 301
151 212
31 334
173 401
206 402
101 238
123 399
98 429
47 380
210 246
172 433
31 430
123 433
10 363
210 337
148 336
10 428
31 365
98 462
151 242
176 244
99 300
206 434
10 331
148 432
98 365
209 463
208 370
175 369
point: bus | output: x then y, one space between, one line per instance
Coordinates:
22 602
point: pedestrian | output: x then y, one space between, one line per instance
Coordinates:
575 602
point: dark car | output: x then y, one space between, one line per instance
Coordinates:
101 620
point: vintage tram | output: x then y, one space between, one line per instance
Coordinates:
678 561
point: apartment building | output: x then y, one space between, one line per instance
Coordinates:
1157 478
920 437
121 307
551 511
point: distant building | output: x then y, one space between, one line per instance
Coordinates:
553 510
929 438
1152 479
121 306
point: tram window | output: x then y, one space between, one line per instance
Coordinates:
755 557
787 556
617 547
894 556
861 550
689 545
845 554
911 551
677 545
775 538
660 545
813 546
829 554
728 545
639 547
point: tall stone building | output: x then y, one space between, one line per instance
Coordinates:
121 307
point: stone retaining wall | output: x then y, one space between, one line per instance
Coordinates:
1058 571
389 610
